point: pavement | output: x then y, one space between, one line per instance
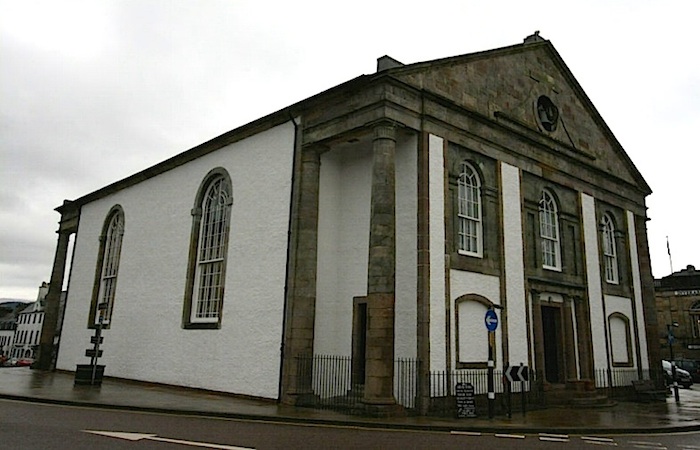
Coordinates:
23 383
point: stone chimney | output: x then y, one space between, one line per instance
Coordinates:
387 62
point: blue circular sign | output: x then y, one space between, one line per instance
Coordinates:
491 320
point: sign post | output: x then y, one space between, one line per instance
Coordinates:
521 374
491 322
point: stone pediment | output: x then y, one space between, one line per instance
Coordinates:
528 89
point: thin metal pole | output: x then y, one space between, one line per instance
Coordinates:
673 364
491 390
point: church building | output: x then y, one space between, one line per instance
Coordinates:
379 220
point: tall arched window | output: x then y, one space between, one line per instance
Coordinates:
609 250
549 232
107 267
694 312
469 211
207 267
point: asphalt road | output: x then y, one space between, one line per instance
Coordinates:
29 426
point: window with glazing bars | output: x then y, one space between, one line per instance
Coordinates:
469 211
609 250
110 266
211 252
549 232
694 312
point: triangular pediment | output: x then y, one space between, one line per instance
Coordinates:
529 89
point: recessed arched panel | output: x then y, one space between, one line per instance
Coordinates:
620 340
472 338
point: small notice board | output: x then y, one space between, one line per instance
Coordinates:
466 404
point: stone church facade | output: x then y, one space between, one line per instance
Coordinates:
377 220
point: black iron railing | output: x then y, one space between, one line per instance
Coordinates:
332 384
330 379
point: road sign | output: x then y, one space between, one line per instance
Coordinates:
97 339
491 320
90 353
517 373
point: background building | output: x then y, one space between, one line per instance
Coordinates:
678 301
8 324
29 324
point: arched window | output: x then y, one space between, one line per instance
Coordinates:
694 312
207 267
549 232
107 267
469 211
609 250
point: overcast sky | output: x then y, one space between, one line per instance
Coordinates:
93 91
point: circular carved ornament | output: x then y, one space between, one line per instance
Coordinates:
547 113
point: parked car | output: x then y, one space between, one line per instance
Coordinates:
683 377
691 366
23 362
12 362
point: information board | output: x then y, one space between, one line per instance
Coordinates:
466 404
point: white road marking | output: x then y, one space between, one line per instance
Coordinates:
656 447
466 433
152 437
553 439
599 441
646 444
510 436
558 436
596 439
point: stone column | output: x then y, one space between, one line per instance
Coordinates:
538 335
381 272
299 333
585 339
569 342
423 295
648 297
46 357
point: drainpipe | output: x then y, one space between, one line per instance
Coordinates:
290 251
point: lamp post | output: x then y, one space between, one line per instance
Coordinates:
669 329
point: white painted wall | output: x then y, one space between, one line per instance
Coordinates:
438 272
343 236
343 245
595 290
514 265
146 340
637 285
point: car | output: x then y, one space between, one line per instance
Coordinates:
24 362
691 366
683 377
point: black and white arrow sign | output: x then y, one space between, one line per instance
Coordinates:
517 373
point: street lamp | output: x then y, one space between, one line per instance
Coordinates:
669 329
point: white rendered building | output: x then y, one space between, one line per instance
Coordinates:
377 220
